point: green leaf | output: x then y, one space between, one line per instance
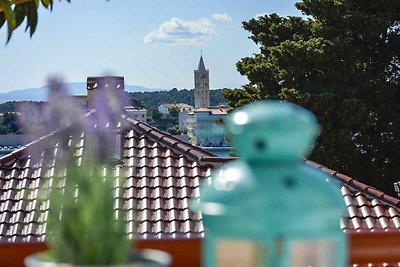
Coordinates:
8 12
10 17
81 240
2 19
46 3
20 14
15 17
32 18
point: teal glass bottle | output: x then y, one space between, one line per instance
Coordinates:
269 207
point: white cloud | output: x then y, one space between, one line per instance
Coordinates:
221 17
181 32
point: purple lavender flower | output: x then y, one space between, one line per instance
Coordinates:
82 191
106 104
38 120
58 112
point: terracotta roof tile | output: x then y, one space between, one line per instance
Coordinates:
368 209
154 185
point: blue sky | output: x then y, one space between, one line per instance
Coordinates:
152 43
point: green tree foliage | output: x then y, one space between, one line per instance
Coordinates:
156 115
9 123
174 112
15 11
219 121
9 119
12 106
343 63
137 103
173 131
163 123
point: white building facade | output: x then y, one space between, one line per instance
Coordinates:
165 108
139 114
205 127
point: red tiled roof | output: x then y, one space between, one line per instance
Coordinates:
158 175
368 209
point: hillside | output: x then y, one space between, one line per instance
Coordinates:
74 88
149 100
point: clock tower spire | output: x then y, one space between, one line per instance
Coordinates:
201 85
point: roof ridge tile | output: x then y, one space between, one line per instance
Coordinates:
174 142
370 191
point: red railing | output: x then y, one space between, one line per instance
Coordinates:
364 249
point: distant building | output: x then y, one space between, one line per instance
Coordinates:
201 86
165 108
185 120
139 114
205 126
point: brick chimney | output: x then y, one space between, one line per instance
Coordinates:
95 86
107 95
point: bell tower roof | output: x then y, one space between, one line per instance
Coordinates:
201 64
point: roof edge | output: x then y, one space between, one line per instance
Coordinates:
19 153
193 152
359 186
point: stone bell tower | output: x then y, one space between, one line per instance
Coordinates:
201 86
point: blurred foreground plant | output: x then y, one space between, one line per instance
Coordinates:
82 225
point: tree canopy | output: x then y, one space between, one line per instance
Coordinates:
341 61
9 123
